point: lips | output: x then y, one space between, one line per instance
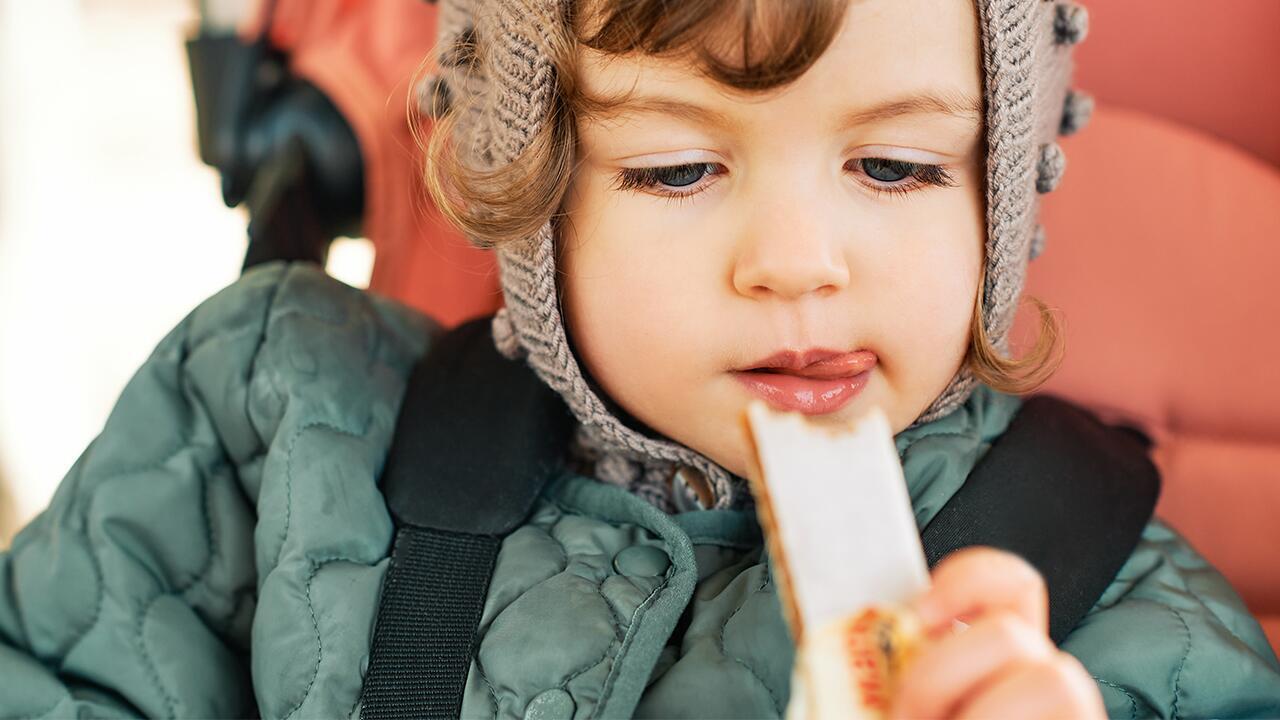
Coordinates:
817 363
813 382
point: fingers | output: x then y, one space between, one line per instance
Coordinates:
1058 687
979 580
1004 664
946 672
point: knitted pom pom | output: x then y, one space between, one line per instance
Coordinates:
1050 167
1070 23
461 50
1037 242
433 96
1076 111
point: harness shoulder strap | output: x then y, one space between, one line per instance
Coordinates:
477 439
1062 490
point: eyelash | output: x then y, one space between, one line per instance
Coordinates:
647 180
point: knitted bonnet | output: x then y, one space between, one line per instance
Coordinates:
503 93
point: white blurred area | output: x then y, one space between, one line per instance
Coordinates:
111 230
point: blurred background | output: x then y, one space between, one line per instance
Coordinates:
111 228
1163 241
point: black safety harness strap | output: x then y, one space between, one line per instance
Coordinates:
479 436
477 439
1065 492
431 606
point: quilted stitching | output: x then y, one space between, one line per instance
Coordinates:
82 514
315 627
362 540
172 702
637 617
1133 703
584 570
227 357
1165 604
1186 652
778 702
735 639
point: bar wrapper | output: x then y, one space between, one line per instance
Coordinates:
846 557
849 668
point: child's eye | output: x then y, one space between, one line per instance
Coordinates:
680 175
682 181
887 170
673 180
900 176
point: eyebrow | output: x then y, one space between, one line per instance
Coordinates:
963 106
957 105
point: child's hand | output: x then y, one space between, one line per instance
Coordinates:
1004 665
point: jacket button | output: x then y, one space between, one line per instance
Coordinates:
691 490
553 704
641 561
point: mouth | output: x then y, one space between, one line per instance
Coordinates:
812 382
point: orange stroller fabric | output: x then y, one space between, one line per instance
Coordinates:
1162 257
366 56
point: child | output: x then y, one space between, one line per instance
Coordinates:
826 204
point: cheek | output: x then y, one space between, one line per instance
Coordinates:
929 291
629 295
940 311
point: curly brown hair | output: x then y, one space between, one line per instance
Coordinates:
745 45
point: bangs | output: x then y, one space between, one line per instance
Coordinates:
748 45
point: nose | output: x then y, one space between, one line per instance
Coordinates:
790 252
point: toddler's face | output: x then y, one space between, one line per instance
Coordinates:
710 232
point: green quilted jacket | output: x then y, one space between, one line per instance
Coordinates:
218 551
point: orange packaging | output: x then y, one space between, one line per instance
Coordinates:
849 668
